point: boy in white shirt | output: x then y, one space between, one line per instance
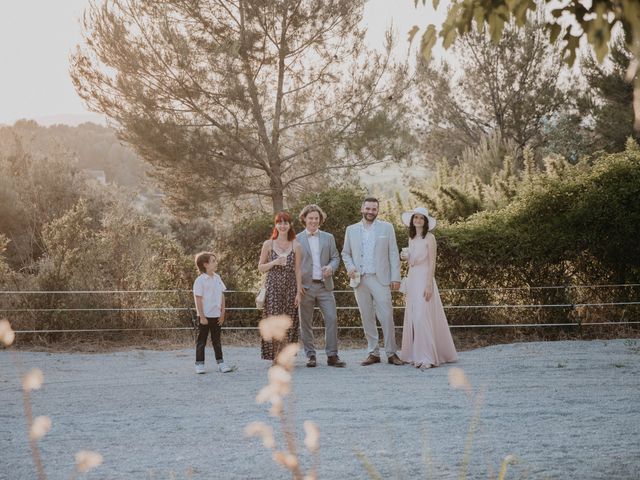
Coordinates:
208 293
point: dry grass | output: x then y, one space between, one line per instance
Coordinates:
465 339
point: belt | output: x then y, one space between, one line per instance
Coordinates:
317 281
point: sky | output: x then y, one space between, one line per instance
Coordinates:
38 36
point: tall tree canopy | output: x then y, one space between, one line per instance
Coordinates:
569 21
608 99
510 87
233 98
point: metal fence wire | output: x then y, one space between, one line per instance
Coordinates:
96 311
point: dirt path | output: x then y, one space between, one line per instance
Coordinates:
566 410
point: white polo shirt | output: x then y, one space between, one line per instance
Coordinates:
210 289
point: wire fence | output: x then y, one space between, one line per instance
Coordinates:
113 311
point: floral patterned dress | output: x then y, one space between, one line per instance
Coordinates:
281 290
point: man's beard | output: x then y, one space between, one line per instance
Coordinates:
370 217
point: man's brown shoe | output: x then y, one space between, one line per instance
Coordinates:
334 361
394 360
370 360
312 361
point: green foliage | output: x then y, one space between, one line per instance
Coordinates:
511 87
567 23
486 178
194 234
256 108
558 221
594 20
239 249
61 231
136 257
34 189
567 225
566 136
608 100
5 271
115 248
68 242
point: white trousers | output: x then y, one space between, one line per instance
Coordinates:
374 300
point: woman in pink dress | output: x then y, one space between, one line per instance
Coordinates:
426 339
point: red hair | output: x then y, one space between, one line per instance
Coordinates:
283 216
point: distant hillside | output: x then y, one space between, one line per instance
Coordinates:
71 120
94 146
97 150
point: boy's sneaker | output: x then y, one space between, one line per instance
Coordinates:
224 368
199 367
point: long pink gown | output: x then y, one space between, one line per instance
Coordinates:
426 339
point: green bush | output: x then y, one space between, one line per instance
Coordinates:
578 228
569 225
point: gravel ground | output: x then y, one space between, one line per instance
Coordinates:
566 410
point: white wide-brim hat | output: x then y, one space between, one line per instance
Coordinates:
406 217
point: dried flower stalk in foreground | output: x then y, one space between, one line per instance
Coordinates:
7 335
312 439
86 460
287 355
33 379
286 459
264 431
274 328
458 379
279 386
40 427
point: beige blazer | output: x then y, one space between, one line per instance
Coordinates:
387 258
328 256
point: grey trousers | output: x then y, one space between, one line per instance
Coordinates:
374 300
318 295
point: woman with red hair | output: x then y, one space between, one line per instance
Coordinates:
280 260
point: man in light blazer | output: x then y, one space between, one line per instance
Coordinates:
371 252
320 259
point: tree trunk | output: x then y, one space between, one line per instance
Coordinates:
277 193
277 199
